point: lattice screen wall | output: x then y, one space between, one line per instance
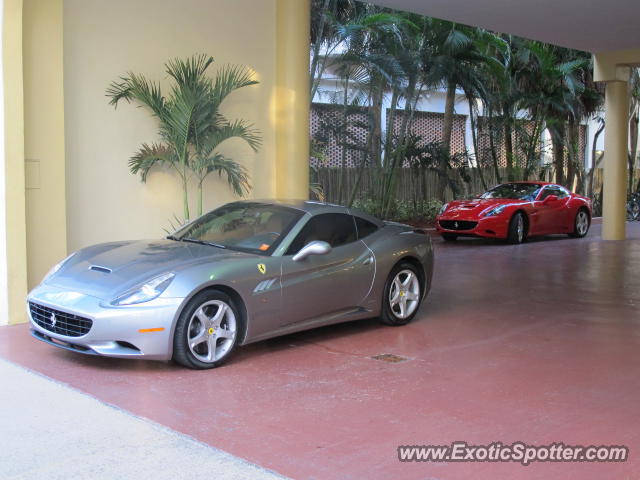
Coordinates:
327 127
582 142
428 125
519 139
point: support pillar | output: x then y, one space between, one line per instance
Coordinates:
13 267
615 161
292 98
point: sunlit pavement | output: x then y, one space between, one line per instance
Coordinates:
535 343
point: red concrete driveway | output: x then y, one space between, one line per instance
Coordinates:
535 343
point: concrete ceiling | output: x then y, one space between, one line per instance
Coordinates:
591 25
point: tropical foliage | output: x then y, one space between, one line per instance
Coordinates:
191 126
515 89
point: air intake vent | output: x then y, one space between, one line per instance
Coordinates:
98 268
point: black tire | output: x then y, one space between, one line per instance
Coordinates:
517 229
390 314
190 325
579 228
449 237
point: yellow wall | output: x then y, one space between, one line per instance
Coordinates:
104 39
44 136
13 175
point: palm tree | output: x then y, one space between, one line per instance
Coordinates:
566 96
191 126
450 55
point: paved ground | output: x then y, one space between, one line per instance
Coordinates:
51 432
536 342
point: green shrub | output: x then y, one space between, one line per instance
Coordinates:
403 211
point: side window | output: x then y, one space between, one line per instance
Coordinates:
365 227
334 228
563 192
553 190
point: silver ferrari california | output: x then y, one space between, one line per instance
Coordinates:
244 272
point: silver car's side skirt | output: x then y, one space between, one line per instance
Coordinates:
348 315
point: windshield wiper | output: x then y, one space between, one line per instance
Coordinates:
201 242
173 237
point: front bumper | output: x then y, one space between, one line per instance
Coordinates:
115 331
487 227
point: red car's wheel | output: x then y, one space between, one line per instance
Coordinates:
581 224
517 229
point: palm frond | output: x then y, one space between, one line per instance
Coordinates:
188 72
236 175
149 156
136 87
228 79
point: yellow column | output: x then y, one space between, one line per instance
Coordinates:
44 136
292 98
615 161
14 201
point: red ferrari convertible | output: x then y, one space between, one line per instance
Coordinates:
515 211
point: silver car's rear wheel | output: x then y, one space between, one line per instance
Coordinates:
207 331
402 295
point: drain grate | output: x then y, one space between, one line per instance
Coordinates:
390 358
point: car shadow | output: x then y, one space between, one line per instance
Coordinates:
243 354
463 242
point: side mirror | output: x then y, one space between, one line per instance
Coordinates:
316 247
550 199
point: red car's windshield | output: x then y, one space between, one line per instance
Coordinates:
519 191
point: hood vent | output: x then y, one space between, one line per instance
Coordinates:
98 268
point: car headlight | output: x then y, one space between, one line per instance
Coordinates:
145 292
495 211
57 267
443 208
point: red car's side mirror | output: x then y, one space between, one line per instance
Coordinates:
550 199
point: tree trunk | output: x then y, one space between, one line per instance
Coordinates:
199 206
474 137
573 137
447 122
633 153
447 129
185 198
376 119
594 161
508 148
557 140
492 145
315 58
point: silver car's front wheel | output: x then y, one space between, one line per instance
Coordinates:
207 331
402 295
212 331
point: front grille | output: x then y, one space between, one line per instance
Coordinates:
458 224
59 322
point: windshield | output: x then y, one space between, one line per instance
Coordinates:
520 191
250 227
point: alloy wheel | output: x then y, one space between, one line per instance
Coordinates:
520 228
404 294
211 331
582 223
